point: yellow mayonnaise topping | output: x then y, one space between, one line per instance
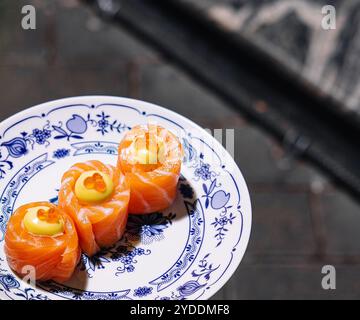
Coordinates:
43 221
94 187
155 155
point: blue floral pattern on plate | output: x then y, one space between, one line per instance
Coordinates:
142 291
61 153
148 228
124 254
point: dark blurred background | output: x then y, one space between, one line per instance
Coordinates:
305 213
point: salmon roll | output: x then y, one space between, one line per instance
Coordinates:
150 157
43 236
96 196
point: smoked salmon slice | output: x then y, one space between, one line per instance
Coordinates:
150 157
52 256
96 196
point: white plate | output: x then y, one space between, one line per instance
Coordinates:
188 251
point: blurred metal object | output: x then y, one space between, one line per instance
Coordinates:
108 8
241 75
295 146
296 143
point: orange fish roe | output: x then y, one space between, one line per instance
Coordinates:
96 181
50 215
